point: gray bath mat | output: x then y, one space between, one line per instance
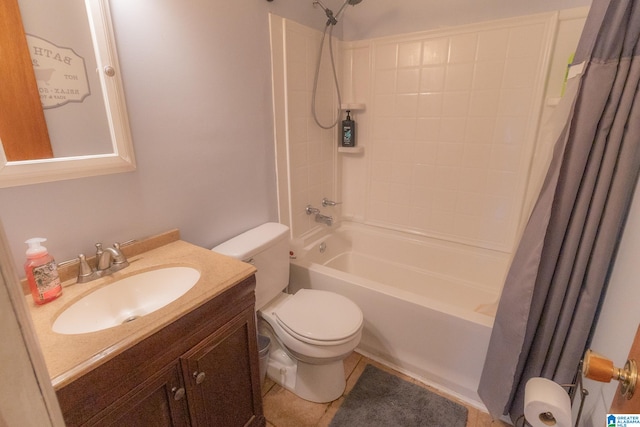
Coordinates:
380 399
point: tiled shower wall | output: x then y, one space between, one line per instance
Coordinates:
450 124
447 133
306 152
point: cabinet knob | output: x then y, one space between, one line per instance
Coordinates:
178 393
199 376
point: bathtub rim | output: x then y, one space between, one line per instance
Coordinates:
410 297
301 247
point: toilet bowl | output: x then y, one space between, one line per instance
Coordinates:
314 332
311 331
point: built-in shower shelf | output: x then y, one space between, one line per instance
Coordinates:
352 106
351 150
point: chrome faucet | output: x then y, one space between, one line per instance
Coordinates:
325 219
108 261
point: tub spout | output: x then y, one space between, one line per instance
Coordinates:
325 219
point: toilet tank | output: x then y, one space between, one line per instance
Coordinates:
267 248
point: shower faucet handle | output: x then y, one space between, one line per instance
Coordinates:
326 202
310 210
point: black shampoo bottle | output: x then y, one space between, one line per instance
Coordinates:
348 132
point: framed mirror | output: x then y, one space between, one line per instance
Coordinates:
70 65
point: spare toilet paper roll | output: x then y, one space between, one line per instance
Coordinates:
546 404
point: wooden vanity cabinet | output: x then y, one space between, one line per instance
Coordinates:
201 370
156 402
218 374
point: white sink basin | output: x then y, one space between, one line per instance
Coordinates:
126 299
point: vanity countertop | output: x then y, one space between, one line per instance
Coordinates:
70 356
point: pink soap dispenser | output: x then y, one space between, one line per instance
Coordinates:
42 272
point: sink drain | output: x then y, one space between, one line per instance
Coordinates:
130 319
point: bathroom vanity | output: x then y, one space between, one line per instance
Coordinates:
193 362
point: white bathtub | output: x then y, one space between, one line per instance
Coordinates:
422 298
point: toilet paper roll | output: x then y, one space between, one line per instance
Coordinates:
546 404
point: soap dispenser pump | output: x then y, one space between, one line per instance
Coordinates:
42 272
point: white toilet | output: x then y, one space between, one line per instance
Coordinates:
311 332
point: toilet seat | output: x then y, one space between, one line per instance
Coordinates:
319 317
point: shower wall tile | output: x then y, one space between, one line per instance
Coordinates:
448 128
479 130
455 104
519 73
488 75
405 104
427 130
310 148
459 77
386 104
492 45
483 103
360 84
408 80
435 51
462 48
432 79
430 104
452 115
452 129
386 82
515 102
409 54
523 41
426 153
387 56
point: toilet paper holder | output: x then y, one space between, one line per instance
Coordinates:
572 389
599 368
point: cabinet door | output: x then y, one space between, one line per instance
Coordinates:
159 401
222 376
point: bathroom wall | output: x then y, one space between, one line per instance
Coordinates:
197 77
378 18
306 158
198 90
619 318
447 123
451 119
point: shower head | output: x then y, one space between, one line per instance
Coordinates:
347 2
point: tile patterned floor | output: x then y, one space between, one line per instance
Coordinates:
284 409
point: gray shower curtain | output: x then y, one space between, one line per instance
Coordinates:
559 273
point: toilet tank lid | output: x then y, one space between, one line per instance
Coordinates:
253 241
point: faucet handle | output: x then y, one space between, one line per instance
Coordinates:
326 202
85 272
311 210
